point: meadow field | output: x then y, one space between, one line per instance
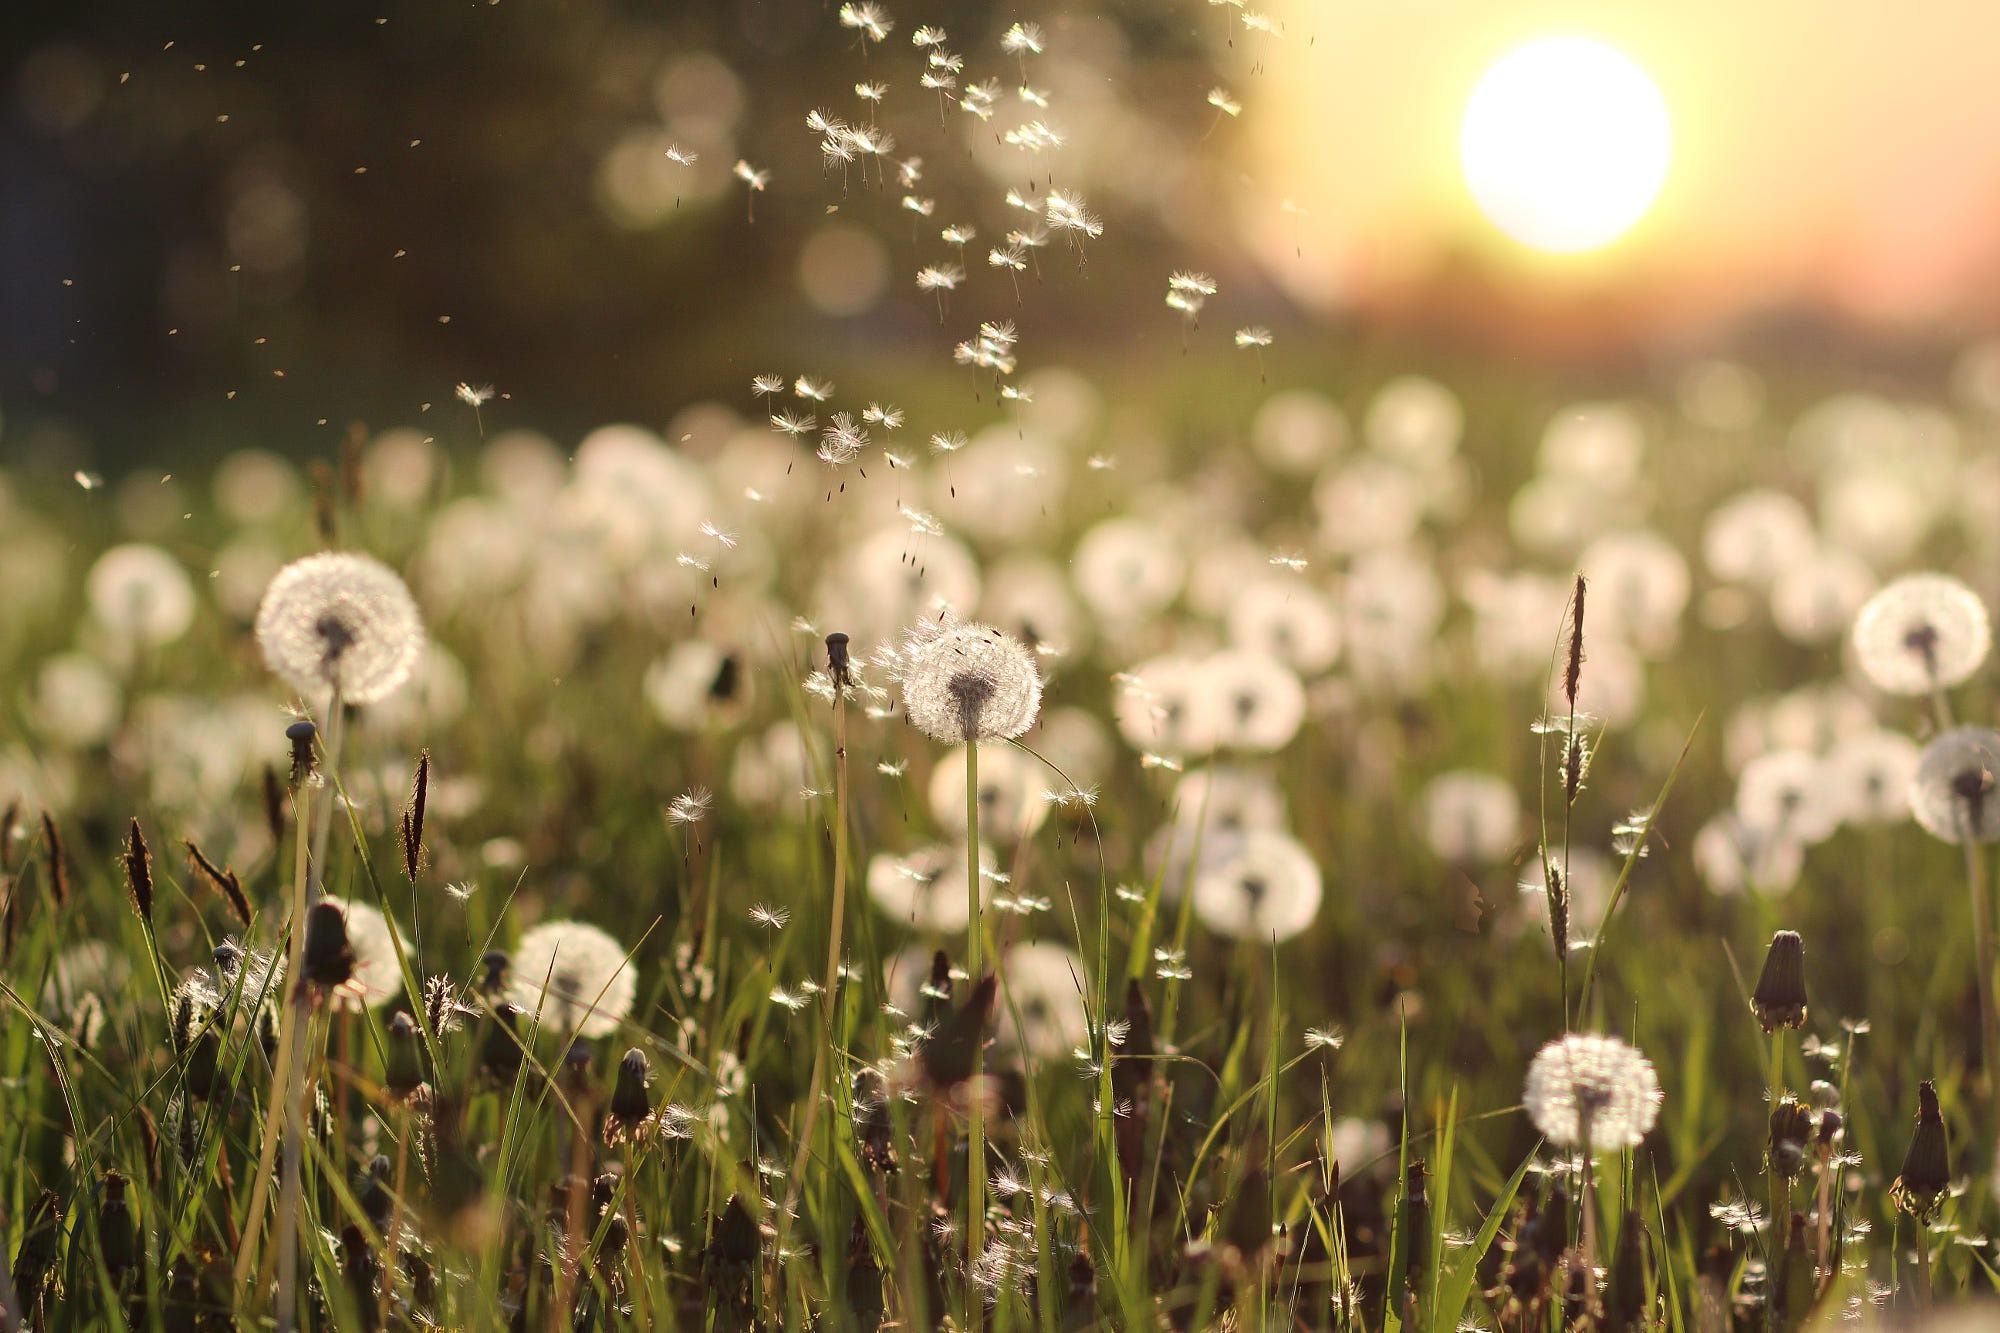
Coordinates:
1044 810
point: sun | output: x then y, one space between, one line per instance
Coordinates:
1565 144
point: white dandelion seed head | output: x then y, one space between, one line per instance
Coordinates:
1041 983
1013 795
969 682
340 620
1288 618
1955 793
1259 885
1586 1078
1470 817
1787 791
1732 855
376 977
1869 774
574 975
1415 420
1259 700
1752 536
925 890
1921 632
142 594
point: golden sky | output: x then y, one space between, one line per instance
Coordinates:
1840 152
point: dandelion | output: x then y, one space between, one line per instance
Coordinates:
1222 101
813 388
690 807
1470 817
1023 39
1325 1039
927 36
968 682
1041 1000
474 396
1921 633
1787 790
1953 794
1260 886
573 975
1592 1092
771 918
374 976
794 424
141 593
842 441
340 622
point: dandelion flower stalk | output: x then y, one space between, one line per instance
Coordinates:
297 1017
975 1152
829 1045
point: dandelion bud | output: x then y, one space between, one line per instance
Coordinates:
1829 1130
373 1191
576 1063
1780 998
329 958
969 683
118 1234
631 1104
500 1051
302 734
949 1057
1926 1175
139 873
1791 1129
493 972
837 665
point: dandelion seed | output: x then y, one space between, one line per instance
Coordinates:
794 425
771 918
945 277
815 389
690 807
1220 99
888 417
460 890
921 207
765 386
1325 1039
1022 39
842 441
675 153
1254 336
927 36
474 395
871 92
756 178
1171 965
868 19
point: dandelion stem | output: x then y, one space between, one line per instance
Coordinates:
1982 930
1923 1266
829 996
290 1196
975 1155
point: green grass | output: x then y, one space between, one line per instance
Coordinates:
1189 1163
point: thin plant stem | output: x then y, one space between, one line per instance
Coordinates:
830 995
1982 931
1923 1266
975 1153
291 1201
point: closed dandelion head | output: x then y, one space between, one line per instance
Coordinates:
1953 794
1589 1083
1925 1179
574 975
375 976
1780 998
968 682
340 621
1921 632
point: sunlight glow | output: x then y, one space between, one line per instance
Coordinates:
1565 144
